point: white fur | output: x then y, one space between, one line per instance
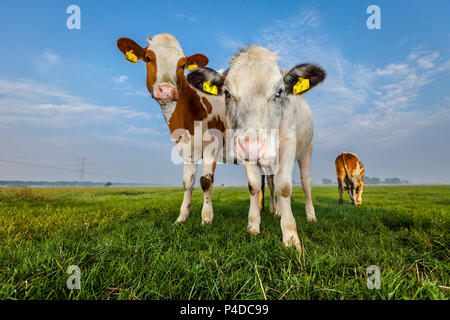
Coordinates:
252 79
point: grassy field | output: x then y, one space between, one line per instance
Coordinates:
127 247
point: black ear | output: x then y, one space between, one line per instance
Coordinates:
313 73
205 79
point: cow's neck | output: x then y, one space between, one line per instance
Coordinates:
183 113
168 110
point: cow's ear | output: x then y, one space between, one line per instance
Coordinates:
206 80
303 78
131 49
197 60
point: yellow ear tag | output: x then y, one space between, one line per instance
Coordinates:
130 56
301 85
210 89
192 66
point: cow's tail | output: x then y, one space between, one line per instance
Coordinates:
345 165
261 194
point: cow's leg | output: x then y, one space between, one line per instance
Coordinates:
341 190
360 192
254 187
283 186
189 172
351 194
271 186
206 182
305 168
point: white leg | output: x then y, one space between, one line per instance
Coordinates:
305 169
206 182
283 185
254 187
189 172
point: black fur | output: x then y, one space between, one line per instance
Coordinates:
198 76
314 73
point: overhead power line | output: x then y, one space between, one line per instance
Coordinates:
71 170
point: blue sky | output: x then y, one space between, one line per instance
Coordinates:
68 93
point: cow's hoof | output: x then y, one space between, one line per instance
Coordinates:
272 208
294 242
253 230
206 222
311 218
180 220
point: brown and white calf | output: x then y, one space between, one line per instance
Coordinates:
259 96
349 169
182 108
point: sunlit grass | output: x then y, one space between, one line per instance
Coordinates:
127 247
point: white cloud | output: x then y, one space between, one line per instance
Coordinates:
51 56
142 93
186 17
140 131
26 101
376 104
229 42
391 69
120 79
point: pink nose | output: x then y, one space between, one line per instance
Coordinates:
251 148
165 92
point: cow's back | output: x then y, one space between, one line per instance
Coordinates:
348 165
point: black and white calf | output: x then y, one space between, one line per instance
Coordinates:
259 96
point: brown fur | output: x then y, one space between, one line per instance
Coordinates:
189 107
261 194
350 170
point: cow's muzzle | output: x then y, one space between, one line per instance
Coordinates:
165 93
251 148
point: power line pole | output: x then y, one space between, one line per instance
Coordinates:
82 163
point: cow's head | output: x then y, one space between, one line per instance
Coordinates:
256 91
165 62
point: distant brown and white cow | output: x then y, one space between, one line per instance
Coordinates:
182 108
349 169
259 96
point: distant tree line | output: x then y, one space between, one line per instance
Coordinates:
20 183
373 181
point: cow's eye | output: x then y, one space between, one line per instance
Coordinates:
183 66
147 59
279 92
226 93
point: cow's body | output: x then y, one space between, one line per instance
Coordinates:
183 109
350 170
259 96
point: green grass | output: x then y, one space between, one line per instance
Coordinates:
127 247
